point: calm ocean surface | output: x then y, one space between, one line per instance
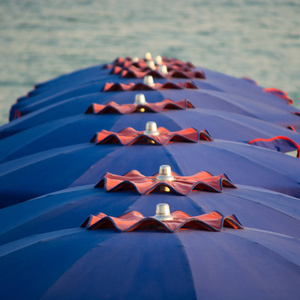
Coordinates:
42 39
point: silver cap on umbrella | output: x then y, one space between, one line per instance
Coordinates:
165 173
148 56
151 129
149 80
158 60
151 64
139 99
163 212
163 69
135 59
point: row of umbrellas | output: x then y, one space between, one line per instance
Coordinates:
150 178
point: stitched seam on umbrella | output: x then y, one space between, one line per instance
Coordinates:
188 262
75 262
260 164
266 247
267 206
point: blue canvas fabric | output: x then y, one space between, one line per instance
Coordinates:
81 128
254 207
44 254
203 99
56 169
192 264
216 91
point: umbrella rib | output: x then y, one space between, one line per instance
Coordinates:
259 164
262 203
263 246
187 261
80 258
175 165
34 239
82 176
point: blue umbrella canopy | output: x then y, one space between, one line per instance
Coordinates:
255 207
80 129
274 110
52 170
214 90
86 79
44 233
188 264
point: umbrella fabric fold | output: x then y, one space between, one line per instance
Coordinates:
279 93
277 143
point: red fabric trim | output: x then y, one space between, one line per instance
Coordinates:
250 80
138 73
115 87
113 107
181 185
17 114
291 128
279 93
131 221
204 135
177 62
130 136
127 62
278 138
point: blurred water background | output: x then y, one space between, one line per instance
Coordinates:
42 39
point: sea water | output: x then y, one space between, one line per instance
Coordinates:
42 39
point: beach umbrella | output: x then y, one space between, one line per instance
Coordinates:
140 70
190 257
67 208
113 117
99 73
48 171
251 99
102 89
264 106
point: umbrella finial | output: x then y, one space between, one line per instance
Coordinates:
140 99
158 60
151 64
149 80
148 56
135 59
163 69
163 212
151 128
165 173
